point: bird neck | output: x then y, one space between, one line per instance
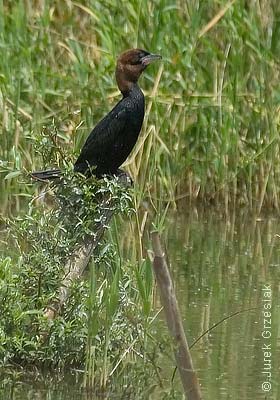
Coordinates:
131 90
127 83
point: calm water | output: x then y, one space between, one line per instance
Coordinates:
220 266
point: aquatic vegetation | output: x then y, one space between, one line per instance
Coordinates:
103 326
212 120
210 137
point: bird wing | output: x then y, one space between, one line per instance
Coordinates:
103 138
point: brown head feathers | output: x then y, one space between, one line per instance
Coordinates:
130 66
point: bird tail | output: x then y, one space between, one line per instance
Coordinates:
47 175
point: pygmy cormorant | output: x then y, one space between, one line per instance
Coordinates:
113 138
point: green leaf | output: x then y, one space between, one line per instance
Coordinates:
12 175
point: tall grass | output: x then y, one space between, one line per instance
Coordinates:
210 135
211 129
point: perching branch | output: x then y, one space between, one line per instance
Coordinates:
77 263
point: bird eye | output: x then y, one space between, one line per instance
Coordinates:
136 61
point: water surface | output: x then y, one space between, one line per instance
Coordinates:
220 266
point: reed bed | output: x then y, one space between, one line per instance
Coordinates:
210 136
212 121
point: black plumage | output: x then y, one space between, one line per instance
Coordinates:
113 138
111 141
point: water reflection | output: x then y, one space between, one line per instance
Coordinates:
219 266
222 266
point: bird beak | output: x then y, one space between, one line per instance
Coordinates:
150 58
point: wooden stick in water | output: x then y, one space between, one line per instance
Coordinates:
174 322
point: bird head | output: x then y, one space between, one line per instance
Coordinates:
130 66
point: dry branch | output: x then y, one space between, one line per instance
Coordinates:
174 322
77 263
